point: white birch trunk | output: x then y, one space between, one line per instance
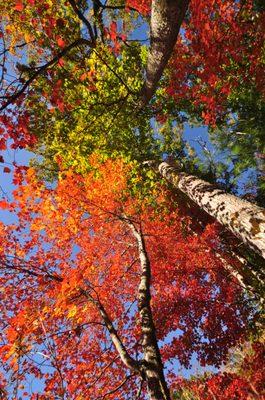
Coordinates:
244 219
155 379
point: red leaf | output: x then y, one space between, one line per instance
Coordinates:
3 204
113 31
7 170
2 144
19 6
60 42
61 62
83 77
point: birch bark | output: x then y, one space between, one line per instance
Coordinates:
244 219
153 366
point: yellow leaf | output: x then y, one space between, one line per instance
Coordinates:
72 312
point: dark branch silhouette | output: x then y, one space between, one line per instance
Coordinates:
43 68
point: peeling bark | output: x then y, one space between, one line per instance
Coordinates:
244 219
252 271
153 366
166 19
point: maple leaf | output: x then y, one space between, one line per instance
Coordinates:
71 253
60 42
19 5
82 272
4 204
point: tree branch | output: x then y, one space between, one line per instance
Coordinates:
244 219
117 7
117 388
22 268
115 73
43 68
83 19
128 361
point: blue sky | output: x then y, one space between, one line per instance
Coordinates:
22 157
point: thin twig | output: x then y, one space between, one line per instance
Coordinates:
43 68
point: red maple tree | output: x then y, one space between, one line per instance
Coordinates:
103 290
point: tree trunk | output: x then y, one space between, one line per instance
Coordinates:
153 366
245 279
242 218
166 19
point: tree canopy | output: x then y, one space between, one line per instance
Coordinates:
71 275
84 68
130 254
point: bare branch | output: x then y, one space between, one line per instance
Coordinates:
139 392
83 19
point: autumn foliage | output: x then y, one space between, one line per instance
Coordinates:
81 241
221 49
71 244
246 383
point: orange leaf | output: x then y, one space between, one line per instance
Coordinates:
60 42
19 6
4 204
